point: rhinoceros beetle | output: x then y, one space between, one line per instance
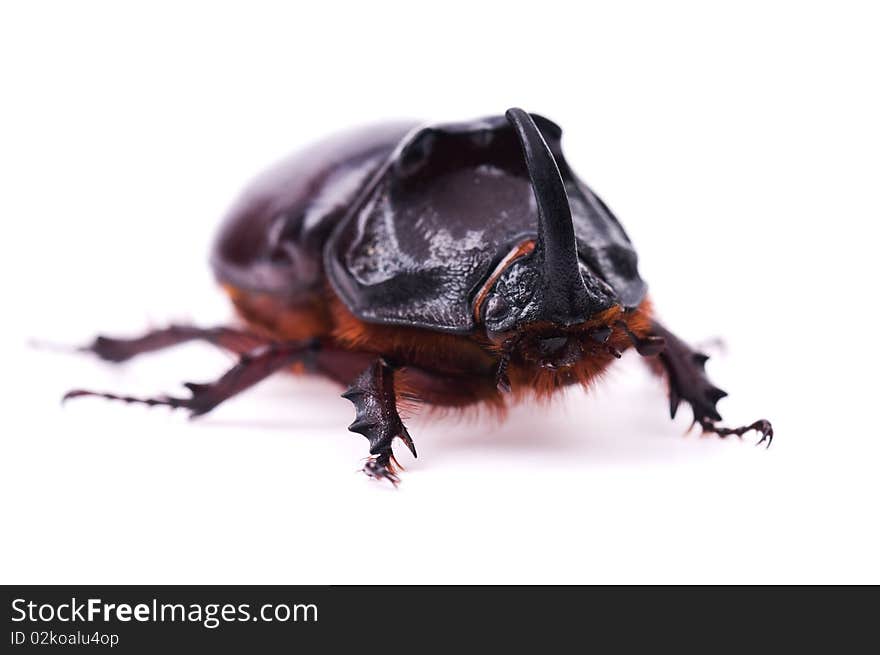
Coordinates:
449 265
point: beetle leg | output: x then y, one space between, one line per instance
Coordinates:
685 370
647 346
120 350
251 368
377 419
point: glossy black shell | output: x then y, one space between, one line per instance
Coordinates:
411 223
272 239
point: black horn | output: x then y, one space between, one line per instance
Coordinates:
564 297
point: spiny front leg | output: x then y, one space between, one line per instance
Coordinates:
377 419
686 371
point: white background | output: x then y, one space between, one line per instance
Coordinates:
738 145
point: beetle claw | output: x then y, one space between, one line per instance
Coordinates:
381 468
762 426
766 429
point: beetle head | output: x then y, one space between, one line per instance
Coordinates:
512 316
544 288
516 299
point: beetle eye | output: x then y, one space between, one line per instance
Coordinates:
496 308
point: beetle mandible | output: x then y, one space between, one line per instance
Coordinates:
449 265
